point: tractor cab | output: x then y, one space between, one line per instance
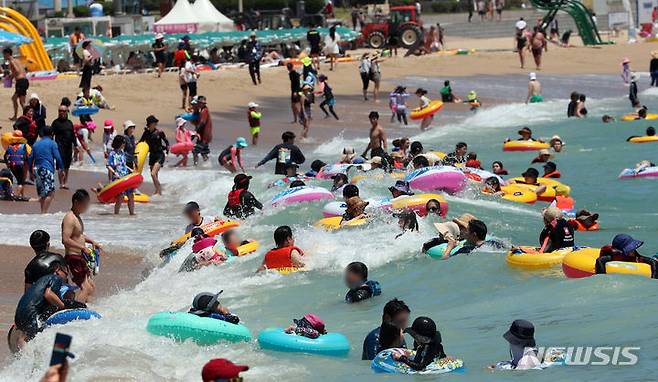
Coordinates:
399 22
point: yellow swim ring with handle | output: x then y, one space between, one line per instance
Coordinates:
333 223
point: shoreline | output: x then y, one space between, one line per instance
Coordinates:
119 271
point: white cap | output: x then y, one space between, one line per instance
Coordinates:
159 36
252 104
533 76
128 124
180 122
521 24
34 96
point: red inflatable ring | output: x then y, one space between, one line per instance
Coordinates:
109 193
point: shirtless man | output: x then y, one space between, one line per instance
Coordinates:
538 45
534 90
74 40
18 75
75 240
377 145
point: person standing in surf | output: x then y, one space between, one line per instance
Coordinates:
534 90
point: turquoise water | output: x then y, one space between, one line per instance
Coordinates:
472 298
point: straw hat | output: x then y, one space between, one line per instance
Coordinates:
464 220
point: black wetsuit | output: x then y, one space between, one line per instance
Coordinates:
33 305
560 236
41 265
364 292
291 153
65 137
425 354
246 207
571 109
632 94
158 144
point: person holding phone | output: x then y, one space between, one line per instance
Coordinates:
38 302
59 366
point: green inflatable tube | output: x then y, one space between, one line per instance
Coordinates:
182 326
436 252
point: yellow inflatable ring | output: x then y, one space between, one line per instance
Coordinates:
560 188
531 258
333 223
518 194
141 151
427 111
643 139
211 229
139 198
248 248
581 263
418 202
632 116
439 154
524 146
546 196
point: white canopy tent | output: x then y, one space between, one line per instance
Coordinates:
208 14
202 16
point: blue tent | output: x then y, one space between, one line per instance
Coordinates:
9 38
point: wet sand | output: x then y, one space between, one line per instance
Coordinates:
120 270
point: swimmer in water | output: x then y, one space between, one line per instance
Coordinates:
286 255
401 188
498 168
206 304
340 181
360 288
473 100
427 344
407 221
526 135
310 326
231 157
556 143
231 242
521 339
607 118
530 177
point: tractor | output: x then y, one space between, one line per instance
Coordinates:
401 22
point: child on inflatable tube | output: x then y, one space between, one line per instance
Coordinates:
310 326
206 304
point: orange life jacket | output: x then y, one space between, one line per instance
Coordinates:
281 257
578 226
234 197
554 174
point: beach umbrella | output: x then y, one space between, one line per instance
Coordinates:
9 38
96 48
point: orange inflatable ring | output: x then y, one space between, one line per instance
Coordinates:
109 193
211 229
524 146
427 111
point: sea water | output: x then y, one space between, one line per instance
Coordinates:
472 298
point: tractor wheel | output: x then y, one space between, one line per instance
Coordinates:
376 40
410 35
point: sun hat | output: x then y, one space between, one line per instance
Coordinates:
552 213
545 152
423 330
180 122
221 369
464 220
634 76
252 105
402 186
531 173
521 24
34 96
151 119
128 124
626 243
449 230
241 142
522 333
625 61
108 124
556 138
524 130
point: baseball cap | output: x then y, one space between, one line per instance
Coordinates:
159 36
423 330
151 119
241 178
221 368
252 104
34 96
533 76
317 165
241 142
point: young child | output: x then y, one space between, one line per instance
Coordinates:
116 165
473 100
407 221
427 344
231 157
306 115
206 253
183 135
424 102
108 136
310 326
232 242
360 288
472 161
206 304
355 205
329 99
254 118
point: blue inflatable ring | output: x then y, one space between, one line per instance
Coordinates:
65 316
84 110
333 344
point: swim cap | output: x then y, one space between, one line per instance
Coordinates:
39 240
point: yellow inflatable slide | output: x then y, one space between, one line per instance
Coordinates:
34 54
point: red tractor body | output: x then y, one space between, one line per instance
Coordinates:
402 23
